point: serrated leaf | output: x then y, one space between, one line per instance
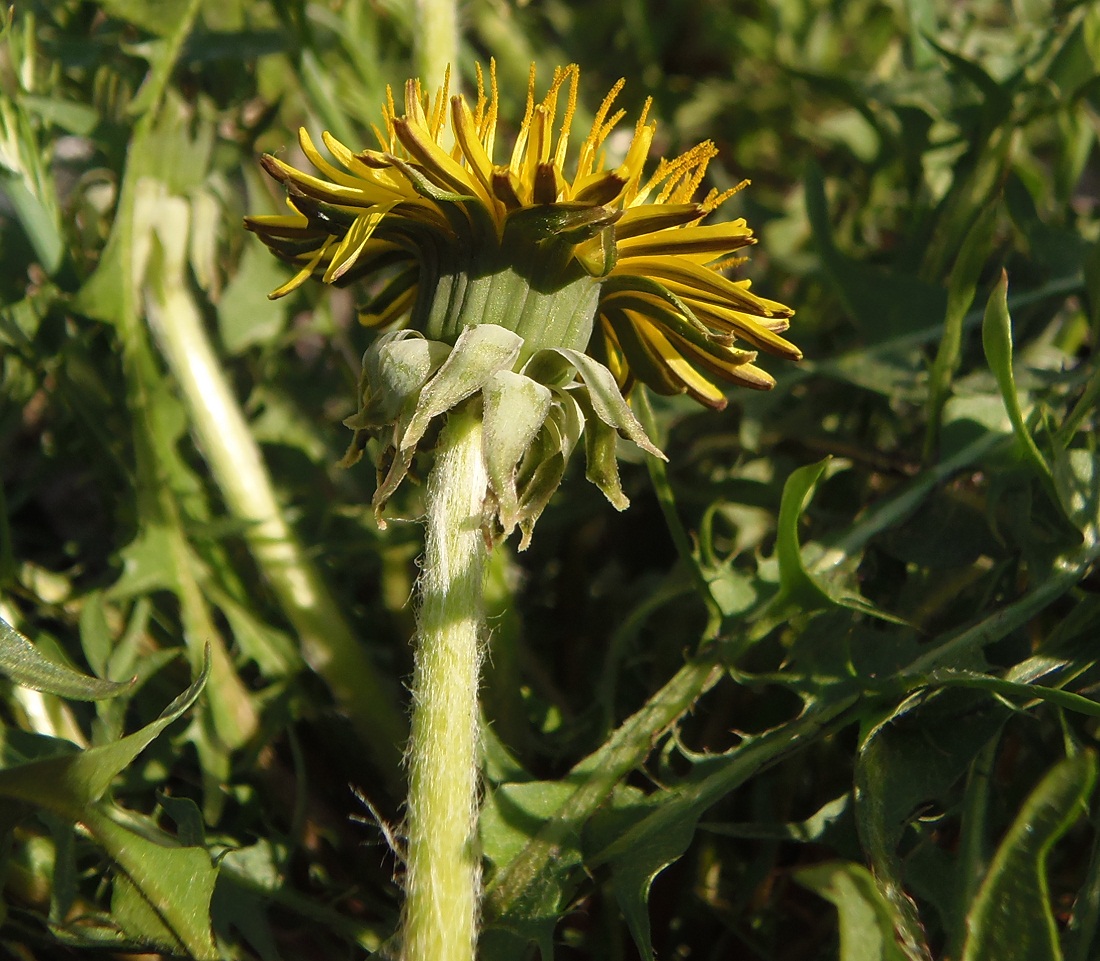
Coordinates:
866 917
21 661
633 872
1018 876
162 893
147 564
664 824
510 822
903 765
67 784
520 889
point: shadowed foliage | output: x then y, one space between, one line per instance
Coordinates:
826 690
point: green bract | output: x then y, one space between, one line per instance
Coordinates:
612 269
534 411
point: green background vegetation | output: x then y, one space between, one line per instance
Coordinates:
827 688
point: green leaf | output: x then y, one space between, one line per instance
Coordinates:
70 115
95 634
1012 689
904 764
997 99
517 893
800 592
796 586
162 892
997 342
960 294
1077 481
21 661
1081 935
866 917
70 783
814 829
1011 919
511 820
156 16
110 294
513 814
248 879
245 316
633 873
659 830
38 221
882 303
147 564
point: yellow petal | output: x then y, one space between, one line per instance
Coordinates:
303 275
347 253
712 240
673 361
437 164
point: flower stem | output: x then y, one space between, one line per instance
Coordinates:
443 870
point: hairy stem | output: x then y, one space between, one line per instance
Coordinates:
443 870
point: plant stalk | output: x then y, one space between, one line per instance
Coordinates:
436 42
442 861
327 643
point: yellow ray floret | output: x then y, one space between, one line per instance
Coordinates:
666 315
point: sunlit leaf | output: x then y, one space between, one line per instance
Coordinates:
68 783
161 893
21 661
